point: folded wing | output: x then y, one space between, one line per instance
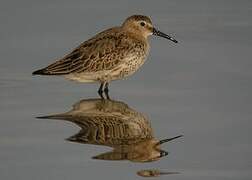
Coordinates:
103 52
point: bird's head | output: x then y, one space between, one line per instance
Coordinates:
142 25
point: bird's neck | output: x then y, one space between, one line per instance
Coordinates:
136 34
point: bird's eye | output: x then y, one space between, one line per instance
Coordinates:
142 23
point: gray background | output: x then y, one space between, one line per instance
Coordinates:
200 87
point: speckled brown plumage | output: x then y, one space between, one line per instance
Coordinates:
110 55
114 124
98 54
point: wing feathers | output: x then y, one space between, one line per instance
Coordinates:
96 54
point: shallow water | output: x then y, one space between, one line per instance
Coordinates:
200 87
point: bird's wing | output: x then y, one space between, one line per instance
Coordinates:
102 52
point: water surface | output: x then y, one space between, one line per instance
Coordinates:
200 87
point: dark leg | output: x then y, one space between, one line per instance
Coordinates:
100 91
106 90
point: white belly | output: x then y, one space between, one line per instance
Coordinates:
85 77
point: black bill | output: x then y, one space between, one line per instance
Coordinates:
170 139
161 34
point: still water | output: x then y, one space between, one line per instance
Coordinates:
114 124
199 88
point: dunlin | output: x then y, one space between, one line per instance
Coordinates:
114 124
110 55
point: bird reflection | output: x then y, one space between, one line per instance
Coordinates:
114 124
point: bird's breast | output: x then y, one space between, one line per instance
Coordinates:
131 65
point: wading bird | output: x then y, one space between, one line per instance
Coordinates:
113 54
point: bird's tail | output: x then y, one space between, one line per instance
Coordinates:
45 71
63 116
41 72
